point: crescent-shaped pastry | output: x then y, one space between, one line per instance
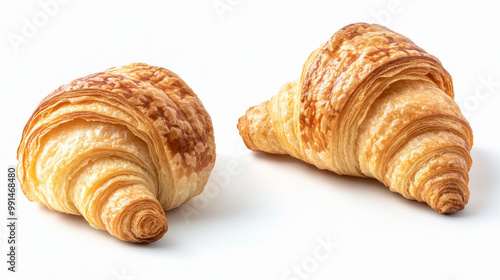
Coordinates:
118 147
370 103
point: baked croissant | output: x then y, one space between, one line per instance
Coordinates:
370 103
118 147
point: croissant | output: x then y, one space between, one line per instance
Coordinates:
370 103
118 147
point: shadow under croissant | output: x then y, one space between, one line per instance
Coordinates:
484 196
350 182
220 197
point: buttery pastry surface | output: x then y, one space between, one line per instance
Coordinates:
370 103
118 147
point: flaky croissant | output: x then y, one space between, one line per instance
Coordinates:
118 147
370 103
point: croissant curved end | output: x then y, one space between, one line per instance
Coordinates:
449 202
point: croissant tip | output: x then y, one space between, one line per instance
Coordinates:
450 204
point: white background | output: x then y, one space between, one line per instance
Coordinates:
262 215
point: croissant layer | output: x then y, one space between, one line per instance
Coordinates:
370 103
118 147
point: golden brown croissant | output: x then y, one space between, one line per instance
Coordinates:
118 147
370 103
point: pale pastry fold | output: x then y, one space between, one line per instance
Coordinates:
370 103
118 147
